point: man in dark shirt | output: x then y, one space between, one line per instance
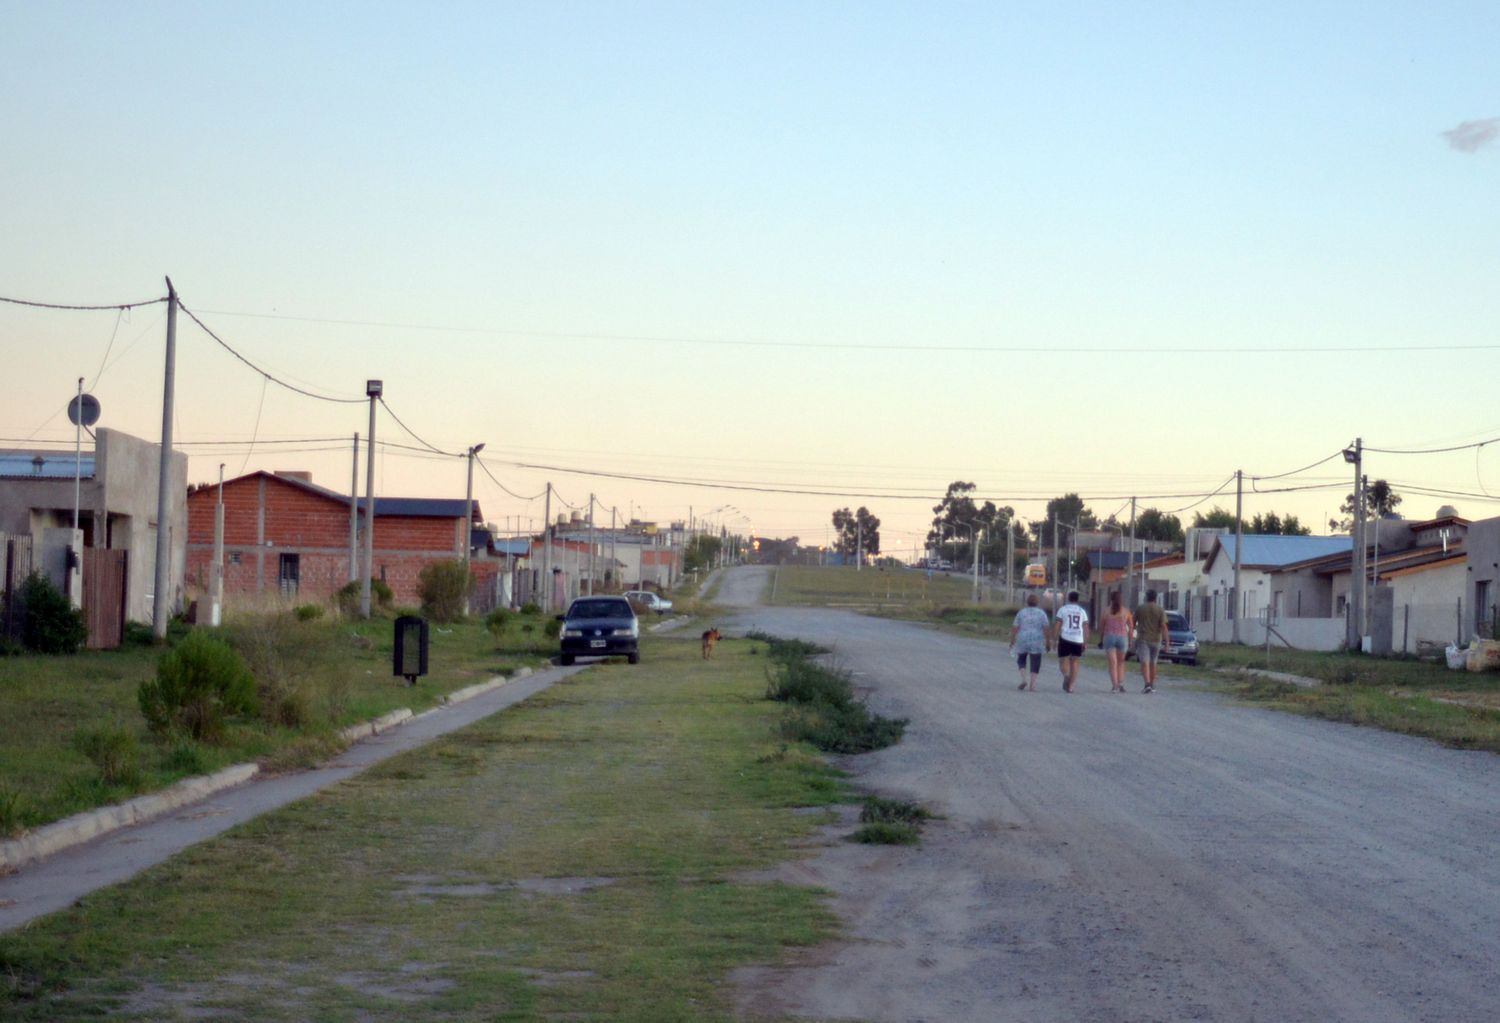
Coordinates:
1151 637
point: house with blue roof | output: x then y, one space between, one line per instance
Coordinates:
1266 576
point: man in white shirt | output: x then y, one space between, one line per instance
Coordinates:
1071 631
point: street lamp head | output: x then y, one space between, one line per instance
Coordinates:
1350 456
373 388
476 449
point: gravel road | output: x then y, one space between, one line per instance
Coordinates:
1130 857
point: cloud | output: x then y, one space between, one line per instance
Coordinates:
1470 135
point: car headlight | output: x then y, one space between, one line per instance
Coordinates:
625 632
572 633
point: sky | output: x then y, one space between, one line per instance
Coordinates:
790 257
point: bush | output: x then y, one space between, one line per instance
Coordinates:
137 634
444 588
827 714
497 620
531 607
50 624
185 757
197 686
308 612
553 628
348 596
114 752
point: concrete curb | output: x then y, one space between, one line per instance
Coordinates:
81 827
70 831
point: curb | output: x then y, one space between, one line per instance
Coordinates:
81 827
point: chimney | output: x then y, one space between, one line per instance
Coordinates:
300 475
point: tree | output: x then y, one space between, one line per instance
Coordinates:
1068 510
1214 518
1380 503
957 521
1272 524
1155 524
856 531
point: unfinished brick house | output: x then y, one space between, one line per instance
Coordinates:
285 536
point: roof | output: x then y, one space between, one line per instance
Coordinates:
1275 551
1115 559
406 507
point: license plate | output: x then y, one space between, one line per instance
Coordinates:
597 644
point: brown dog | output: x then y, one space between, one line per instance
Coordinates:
709 639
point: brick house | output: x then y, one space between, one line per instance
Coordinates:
286 536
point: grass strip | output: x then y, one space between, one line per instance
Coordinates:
315 677
581 856
824 710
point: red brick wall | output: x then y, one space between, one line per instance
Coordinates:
314 527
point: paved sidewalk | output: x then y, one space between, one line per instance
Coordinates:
62 879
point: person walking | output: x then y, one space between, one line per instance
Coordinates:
1115 625
1029 638
1151 638
1070 631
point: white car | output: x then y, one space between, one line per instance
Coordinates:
648 600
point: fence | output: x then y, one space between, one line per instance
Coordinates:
1421 630
15 566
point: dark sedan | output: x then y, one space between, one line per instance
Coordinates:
1184 640
600 627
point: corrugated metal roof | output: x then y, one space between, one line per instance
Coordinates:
1274 551
419 507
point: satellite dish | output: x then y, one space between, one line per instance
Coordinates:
83 410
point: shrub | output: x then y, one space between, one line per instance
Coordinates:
114 752
137 634
497 620
553 628
186 757
50 624
531 607
348 596
444 588
197 686
308 612
827 714
887 833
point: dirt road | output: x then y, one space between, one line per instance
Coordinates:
1130 857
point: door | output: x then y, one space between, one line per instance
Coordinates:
289 574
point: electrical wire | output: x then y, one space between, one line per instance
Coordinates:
412 433
1213 493
258 410
119 317
1042 348
82 308
1295 472
272 378
502 486
1432 451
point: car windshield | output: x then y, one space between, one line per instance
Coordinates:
1176 621
599 609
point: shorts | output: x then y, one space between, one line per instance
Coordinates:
1115 643
1147 653
1068 648
1035 659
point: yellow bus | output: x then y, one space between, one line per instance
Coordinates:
1036 573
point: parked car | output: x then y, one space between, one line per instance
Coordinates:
648 600
599 627
1184 640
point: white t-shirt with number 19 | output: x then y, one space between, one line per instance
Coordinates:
1072 618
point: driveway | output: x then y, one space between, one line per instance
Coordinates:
1129 857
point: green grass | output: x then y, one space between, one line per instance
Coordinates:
582 856
945 601
332 673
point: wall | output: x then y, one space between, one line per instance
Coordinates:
1300 633
1483 548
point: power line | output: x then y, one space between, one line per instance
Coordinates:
1433 451
1337 454
502 486
83 308
858 347
413 434
272 378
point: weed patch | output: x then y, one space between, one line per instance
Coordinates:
824 710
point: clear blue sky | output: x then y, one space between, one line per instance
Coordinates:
890 182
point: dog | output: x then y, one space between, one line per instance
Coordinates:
709 639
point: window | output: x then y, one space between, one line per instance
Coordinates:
1483 612
289 574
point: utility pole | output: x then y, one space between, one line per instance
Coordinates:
547 552
1239 552
977 534
591 545
1130 563
859 543
160 603
1355 638
373 390
216 581
354 514
612 537
78 460
468 527
1010 562
1054 553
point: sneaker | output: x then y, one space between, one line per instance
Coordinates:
1021 686
1149 689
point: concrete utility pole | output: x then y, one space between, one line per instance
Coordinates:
160 602
547 552
216 581
468 537
977 534
612 536
1239 553
354 513
1130 563
78 460
1354 638
373 390
1010 562
1056 582
591 545
859 543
